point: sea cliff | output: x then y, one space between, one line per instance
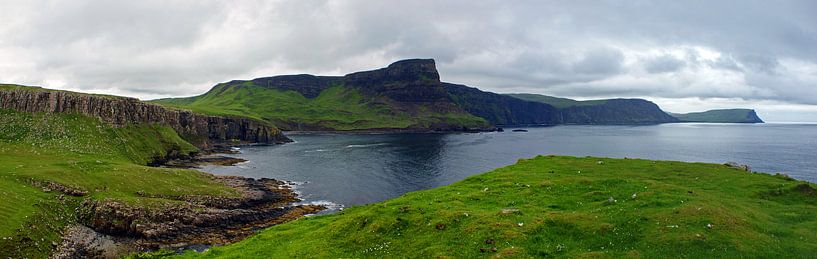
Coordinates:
204 131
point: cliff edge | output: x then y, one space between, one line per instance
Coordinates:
204 131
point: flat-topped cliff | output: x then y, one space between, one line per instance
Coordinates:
203 131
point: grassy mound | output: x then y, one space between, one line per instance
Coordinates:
566 206
335 108
41 153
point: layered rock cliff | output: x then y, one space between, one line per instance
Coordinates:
203 131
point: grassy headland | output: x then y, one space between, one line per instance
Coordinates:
42 153
335 108
566 206
721 116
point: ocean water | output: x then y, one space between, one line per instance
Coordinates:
344 170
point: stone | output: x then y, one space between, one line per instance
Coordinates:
738 166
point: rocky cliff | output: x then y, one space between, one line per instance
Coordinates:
203 131
510 110
616 111
500 109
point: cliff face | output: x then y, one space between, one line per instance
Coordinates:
616 111
507 110
201 130
500 109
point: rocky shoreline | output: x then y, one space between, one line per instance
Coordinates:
111 228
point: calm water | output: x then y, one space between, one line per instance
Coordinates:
358 169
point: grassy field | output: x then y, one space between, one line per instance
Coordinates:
84 154
338 108
567 207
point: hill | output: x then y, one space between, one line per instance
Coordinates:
721 116
567 207
406 95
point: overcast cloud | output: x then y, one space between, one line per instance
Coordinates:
684 55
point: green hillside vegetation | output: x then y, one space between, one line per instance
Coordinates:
723 116
87 155
557 102
570 207
335 108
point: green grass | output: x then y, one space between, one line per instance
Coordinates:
557 102
560 206
337 108
85 154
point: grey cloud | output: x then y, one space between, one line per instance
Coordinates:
664 64
600 62
572 48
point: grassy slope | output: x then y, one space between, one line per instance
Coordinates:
338 108
725 115
556 101
86 154
661 209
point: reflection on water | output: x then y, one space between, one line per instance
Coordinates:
359 169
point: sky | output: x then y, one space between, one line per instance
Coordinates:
683 55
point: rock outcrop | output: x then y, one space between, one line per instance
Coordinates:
203 131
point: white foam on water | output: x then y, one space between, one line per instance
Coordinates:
366 145
330 206
317 150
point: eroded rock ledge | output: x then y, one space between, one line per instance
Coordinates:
204 131
112 228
